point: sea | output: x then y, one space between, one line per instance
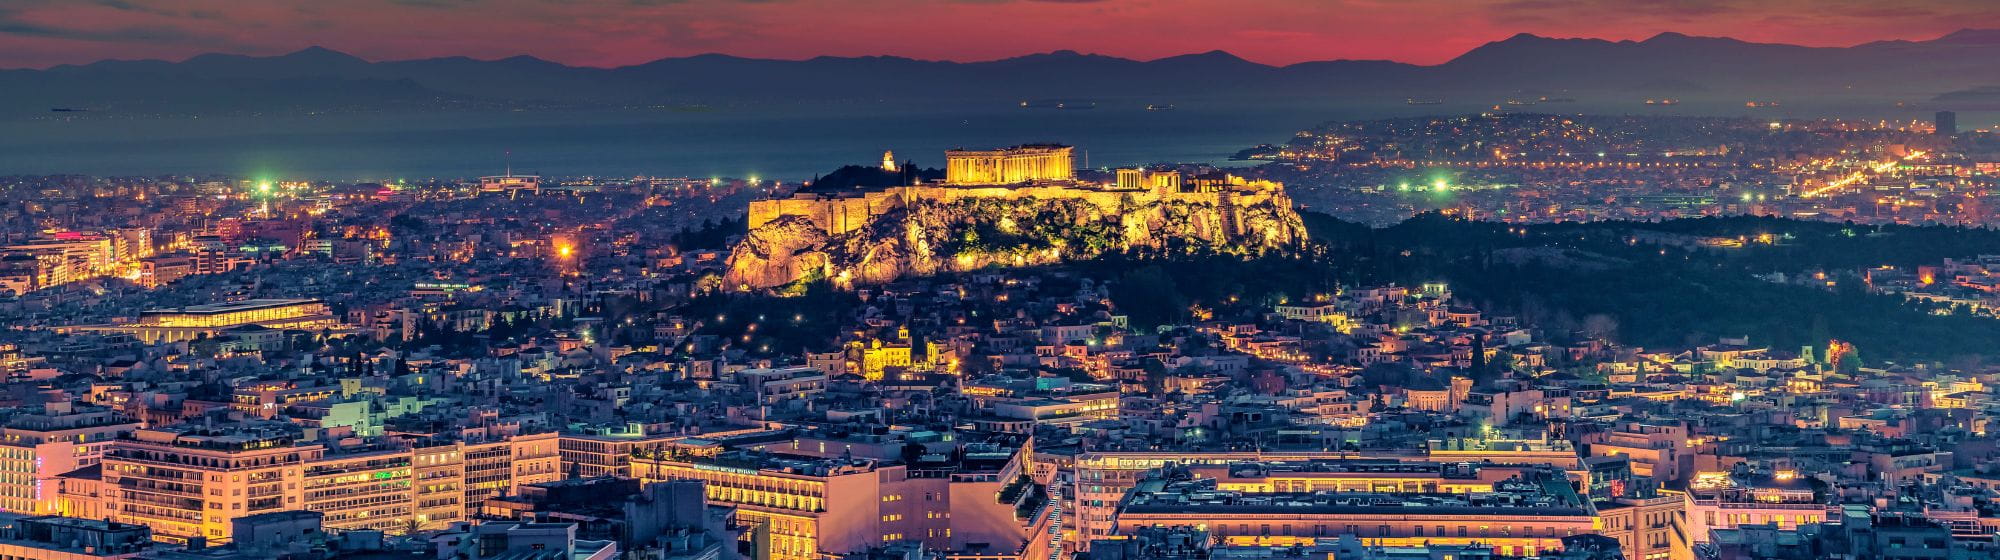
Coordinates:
784 143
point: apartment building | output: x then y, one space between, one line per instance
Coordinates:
38 445
192 480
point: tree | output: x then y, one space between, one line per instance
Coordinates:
205 346
1148 296
1600 326
1389 374
1478 354
1156 376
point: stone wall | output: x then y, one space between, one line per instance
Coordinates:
839 214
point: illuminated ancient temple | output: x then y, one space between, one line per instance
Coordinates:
1008 166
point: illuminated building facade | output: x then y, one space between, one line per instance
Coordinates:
256 311
1146 180
452 477
1043 400
1647 528
817 497
807 507
368 490
1356 476
1523 515
1726 500
1008 166
191 322
36 448
187 481
1104 477
68 257
1317 312
510 183
1656 449
606 452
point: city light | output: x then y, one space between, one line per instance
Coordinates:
1552 316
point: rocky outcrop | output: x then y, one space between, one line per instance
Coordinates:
929 237
783 250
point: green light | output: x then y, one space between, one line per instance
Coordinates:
1440 185
264 187
1403 186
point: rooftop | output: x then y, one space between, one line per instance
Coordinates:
234 306
1538 493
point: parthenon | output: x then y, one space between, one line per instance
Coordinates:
1007 166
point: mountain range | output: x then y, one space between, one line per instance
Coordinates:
1936 71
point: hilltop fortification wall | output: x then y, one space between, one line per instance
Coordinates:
836 214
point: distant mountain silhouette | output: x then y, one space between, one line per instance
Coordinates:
1666 64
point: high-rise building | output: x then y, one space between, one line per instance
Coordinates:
1947 123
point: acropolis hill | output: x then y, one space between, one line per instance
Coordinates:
1009 207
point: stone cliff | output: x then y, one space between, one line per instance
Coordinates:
928 236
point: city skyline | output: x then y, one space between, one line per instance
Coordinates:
1048 280
39 34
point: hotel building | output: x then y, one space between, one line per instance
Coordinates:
1104 477
825 496
192 480
607 451
38 446
1525 514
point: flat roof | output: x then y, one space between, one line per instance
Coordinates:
231 307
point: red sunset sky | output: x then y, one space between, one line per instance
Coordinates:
40 33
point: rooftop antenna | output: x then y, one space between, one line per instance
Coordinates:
508 157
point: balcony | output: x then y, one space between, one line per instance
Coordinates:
151 487
1767 505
